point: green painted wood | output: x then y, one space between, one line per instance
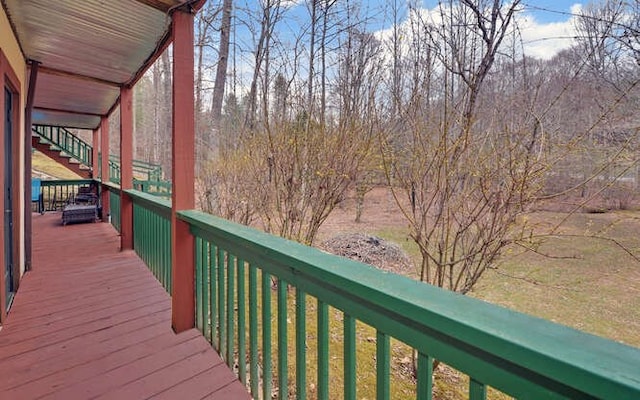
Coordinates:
242 329
213 294
56 193
61 139
222 323
323 350
350 378
206 290
231 280
283 368
425 377
477 390
114 205
253 330
151 235
158 205
267 374
523 356
198 285
301 345
382 366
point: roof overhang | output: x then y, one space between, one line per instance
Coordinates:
87 50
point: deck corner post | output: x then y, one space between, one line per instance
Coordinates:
104 167
95 162
183 172
126 167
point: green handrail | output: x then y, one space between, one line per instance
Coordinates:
237 268
523 356
65 141
58 193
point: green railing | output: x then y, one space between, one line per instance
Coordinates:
58 193
523 356
143 169
156 188
70 144
114 207
65 141
284 313
152 234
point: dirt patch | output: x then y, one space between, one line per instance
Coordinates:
380 211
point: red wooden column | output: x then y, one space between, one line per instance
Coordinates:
183 171
126 167
104 167
95 163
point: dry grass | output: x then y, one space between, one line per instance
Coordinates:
586 276
49 169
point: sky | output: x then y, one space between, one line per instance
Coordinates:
546 25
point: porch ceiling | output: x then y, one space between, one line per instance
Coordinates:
87 50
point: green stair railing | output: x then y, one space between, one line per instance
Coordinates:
274 307
66 142
148 177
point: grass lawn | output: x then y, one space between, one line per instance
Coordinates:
586 276
46 165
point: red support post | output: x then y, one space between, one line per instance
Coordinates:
183 172
126 167
104 167
95 164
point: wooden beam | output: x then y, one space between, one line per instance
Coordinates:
126 167
104 167
183 172
191 7
63 111
59 72
160 5
28 233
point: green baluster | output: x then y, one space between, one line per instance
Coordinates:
349 357
301 345
242 356
382 366
253 330
266 336
283 371
425 377
323 351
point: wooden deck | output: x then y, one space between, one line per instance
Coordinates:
92 322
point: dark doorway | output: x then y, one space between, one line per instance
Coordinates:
8 198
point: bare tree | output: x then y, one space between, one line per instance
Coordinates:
221 69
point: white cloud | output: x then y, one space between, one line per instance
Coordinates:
544 40
539 39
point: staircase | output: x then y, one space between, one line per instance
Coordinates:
64 147
74 153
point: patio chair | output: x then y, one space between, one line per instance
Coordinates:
36 195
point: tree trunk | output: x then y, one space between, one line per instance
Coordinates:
221 70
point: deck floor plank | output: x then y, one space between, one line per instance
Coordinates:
92 322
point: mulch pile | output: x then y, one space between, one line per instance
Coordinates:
370 250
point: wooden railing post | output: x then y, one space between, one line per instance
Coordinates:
104 167
183 171
126 167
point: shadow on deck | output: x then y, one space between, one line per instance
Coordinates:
92 322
